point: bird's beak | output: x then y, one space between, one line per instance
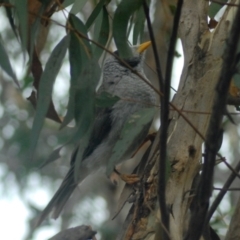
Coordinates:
143 47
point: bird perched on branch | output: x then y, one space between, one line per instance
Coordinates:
135 94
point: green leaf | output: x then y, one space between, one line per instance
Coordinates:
105 100
66 3
6 65
48 77
129 135
236 80
82 146
22 12
120 24
34 32
85 107
78 25
76 66
77 6
101 32
214 8
130 26
95 13
138 26
53 156
85 95
10 17
79 56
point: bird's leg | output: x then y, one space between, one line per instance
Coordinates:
131 178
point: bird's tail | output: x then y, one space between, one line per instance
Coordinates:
60 197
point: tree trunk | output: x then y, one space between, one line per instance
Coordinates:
203 52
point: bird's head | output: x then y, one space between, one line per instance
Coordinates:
116 75
135 61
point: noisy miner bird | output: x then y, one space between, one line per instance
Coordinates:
134 94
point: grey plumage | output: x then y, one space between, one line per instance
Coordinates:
134 95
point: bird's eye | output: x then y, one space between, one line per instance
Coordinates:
133 62
111 83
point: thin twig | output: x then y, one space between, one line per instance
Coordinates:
224 3
227 189
154 46
165 88
165 119
230 167
162 157
220 196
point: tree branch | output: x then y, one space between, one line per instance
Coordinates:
222 193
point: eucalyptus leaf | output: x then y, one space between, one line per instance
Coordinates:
138 26
53 156
77 6
66 3
214 8
82 146
10 17
85 107
34 32
85 94
81 29
45 89
132 130
105 100
95 13
6 65
101 32
120 25
76 66
22 12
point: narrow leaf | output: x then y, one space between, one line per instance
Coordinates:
66 3
10 18
78 25
45 89
53 156
34 32
131 130
79 56
120 24
95 13
6 65
22 12
105 100
101 32
82 146
138 26
214 8
85 107
75 70
85 95
77 6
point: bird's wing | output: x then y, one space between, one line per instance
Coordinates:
101 129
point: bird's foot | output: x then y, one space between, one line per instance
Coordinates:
128 178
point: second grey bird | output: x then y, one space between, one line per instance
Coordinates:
134 94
